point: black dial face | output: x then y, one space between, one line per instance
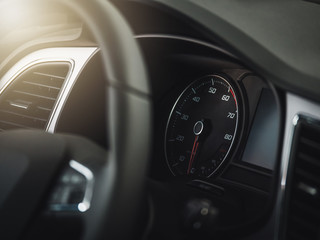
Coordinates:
202 127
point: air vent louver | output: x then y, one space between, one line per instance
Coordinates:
29 100
303 199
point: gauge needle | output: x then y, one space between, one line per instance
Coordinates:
193 153
197 130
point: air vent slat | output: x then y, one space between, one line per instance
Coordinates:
45 80
304 209
311 160
37 89
22 120
307 175
49 75
12 125
34 110
34 95
44 109
303 189
29 100
310 143
35 101
22 115
41 85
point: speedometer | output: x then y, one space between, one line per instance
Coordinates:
202 127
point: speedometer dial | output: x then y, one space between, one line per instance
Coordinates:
202 127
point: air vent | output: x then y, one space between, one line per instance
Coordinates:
29 100
303 189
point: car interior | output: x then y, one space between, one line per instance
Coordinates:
162 119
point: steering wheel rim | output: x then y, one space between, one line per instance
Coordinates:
128 116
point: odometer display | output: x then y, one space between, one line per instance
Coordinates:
202 127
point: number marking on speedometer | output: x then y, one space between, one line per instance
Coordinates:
203 151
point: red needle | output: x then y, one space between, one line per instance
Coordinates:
193 153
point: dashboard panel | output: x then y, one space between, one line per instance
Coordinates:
224 120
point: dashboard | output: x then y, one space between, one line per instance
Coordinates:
235 110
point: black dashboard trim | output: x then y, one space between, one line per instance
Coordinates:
187 39
215 20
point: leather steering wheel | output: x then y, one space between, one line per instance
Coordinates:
32 161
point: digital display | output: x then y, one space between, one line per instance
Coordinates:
261 149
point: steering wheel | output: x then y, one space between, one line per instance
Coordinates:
111 181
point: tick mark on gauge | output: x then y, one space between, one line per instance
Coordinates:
189 120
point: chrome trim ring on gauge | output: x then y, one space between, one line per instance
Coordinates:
212 101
